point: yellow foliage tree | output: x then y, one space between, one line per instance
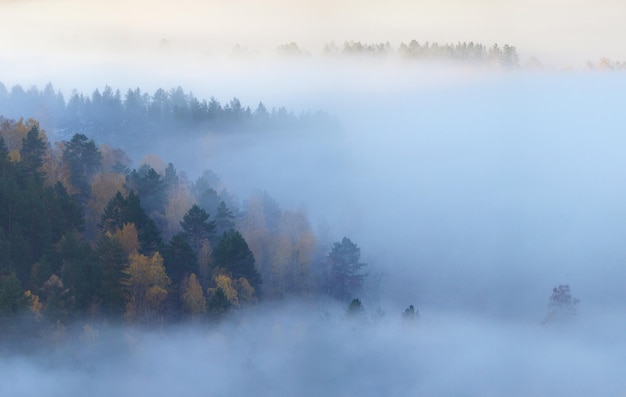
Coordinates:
179 202
35 306
128 238
193 299
155 162
147 285
104 186
245 292
226 284
14 133
111 158
56 170
259 238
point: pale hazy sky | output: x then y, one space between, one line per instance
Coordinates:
553 30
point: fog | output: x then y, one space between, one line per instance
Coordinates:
472 192
300 350
479 192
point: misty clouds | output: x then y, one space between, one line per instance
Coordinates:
474 195
483 193
299 350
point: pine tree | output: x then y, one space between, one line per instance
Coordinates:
224 219
218 303
233 255
114 261
81 272
180 260
196 227
12 298
33 151
83 159
120 211
355 308
344 275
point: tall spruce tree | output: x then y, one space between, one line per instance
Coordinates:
345 278
233 255
197 227
83 159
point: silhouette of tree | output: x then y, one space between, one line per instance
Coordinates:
344 270
562 306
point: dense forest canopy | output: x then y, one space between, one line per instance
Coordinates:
82 235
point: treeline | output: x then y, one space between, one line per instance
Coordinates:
505 56
606 64
129 119
82 235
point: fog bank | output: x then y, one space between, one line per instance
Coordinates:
483 192
304 350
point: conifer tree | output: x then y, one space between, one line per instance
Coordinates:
197 227
83 159
233 255
344 274
33 150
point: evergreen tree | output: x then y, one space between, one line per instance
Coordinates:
344 274
355 308
66 215
224 219
179 258
33 151
150 187
12 298
81 272
6 262
218 303
114 261
120 211
57 299
196 227
148 232
83 159
233 255
563 307
114 214
410 314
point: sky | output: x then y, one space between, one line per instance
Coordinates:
556 31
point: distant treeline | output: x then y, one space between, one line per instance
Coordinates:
505 56
129 119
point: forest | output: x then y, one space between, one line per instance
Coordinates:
505 56
128 120
84 236
282 198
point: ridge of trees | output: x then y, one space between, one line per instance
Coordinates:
82 235
504 56
128 119
77 241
